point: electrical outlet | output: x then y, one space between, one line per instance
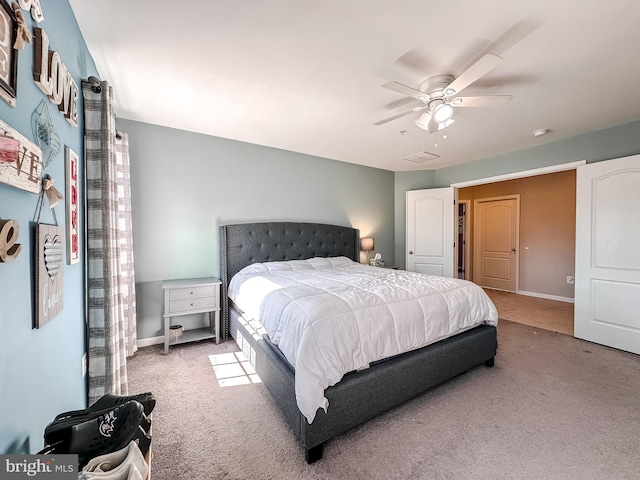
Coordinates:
84 365
571 279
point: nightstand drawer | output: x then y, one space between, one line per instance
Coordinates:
193 292
193 304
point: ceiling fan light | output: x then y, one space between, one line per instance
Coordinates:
423 121
443 113
443 125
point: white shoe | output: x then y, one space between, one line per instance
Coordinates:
111 466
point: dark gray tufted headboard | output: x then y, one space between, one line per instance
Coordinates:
247 243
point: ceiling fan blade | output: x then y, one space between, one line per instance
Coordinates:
473 73
480 101
403 89
399 115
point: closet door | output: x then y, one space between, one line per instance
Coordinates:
430 227
607 299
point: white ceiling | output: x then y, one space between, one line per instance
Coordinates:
306 76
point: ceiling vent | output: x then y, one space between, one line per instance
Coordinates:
421 157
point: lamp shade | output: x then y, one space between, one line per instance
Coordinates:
366 244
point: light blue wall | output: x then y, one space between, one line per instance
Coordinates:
185 185
620 141
40 369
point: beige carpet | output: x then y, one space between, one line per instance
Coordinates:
537 312
553 407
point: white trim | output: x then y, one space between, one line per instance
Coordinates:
147 342
548 297
525 173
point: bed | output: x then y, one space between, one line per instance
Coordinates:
360 394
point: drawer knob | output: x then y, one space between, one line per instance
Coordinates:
193 293
193 304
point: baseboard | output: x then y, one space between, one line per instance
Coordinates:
548 297
147 342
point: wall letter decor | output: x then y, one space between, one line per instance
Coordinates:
72 211
53 78
9 248
36 9
26 171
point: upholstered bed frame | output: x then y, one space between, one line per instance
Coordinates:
360 395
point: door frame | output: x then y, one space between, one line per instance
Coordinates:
561 167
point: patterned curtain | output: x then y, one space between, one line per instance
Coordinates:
110 278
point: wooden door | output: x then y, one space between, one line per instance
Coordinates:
496 229
607 298
430 227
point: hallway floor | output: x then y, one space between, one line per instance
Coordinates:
537 312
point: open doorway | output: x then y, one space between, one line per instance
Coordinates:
546 247
462 246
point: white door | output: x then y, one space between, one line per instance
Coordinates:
496 242
430 227
607 295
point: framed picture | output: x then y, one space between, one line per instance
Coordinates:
72 205
8 55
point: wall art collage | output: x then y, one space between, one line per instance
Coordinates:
23 161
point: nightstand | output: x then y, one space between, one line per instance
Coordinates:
188 296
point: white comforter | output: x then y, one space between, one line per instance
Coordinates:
330 316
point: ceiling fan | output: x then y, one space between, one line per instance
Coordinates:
439 95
